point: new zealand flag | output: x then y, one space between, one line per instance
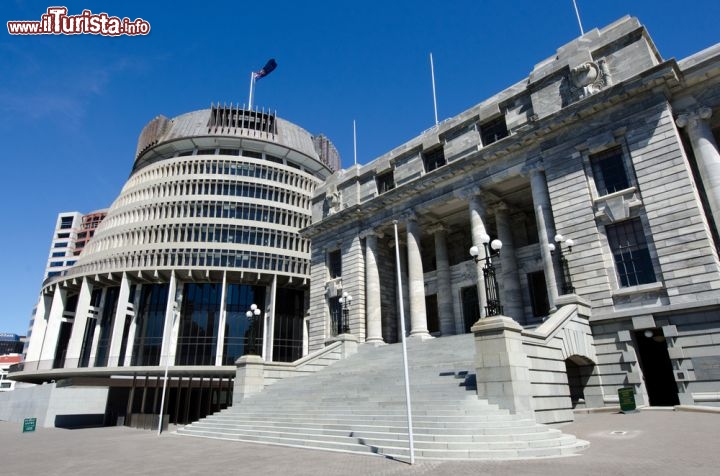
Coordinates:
267 69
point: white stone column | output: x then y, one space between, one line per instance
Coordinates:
119 322
477 230
37 334
444 289
98 328
706 155
511 294
220 348
416 282
171 329
373 308
130 344
52 331
77 334
541 204
269 318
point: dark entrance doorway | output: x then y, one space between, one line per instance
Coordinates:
656 367
431 309
538 294
471 306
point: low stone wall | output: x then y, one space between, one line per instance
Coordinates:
253 374
525 370
55 406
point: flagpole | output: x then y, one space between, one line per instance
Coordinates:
354 142
252 83
432 74
577 13
404 347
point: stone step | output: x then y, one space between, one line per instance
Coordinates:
358 405
469 428
552 441
418 435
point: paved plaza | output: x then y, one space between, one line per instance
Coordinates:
651 442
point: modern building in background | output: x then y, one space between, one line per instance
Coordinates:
598 174
11 347
73 231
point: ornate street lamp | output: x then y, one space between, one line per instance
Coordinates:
565 280
345 301
253 315
492 294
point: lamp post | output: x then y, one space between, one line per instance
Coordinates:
345 301
253 314
565 280
493 307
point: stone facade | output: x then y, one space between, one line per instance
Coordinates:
605 143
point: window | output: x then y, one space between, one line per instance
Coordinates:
631 253
66 222
493 131
335 264
385 181
57 254
63 235
434 159
61 244
609 171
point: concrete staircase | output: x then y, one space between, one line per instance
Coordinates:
358 405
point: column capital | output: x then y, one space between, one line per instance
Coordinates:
501 207
436 227
408 216
371 232
692 118
466 193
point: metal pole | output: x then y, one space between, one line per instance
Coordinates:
354 142
404 347
432 74
577 13
252 83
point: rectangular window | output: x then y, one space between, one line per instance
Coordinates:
61 244
63 235
385 181
493 131
57 254
66 222
609 171
335 264
55 264
631 253
434 159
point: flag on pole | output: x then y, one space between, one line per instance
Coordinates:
267 69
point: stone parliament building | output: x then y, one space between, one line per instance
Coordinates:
599 173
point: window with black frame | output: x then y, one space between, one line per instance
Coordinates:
335 264
630 252
434 159
609 171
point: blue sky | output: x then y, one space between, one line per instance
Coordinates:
71 107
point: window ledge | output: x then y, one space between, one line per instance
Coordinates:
640 288
619 193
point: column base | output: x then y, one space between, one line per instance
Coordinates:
420 335
377 342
